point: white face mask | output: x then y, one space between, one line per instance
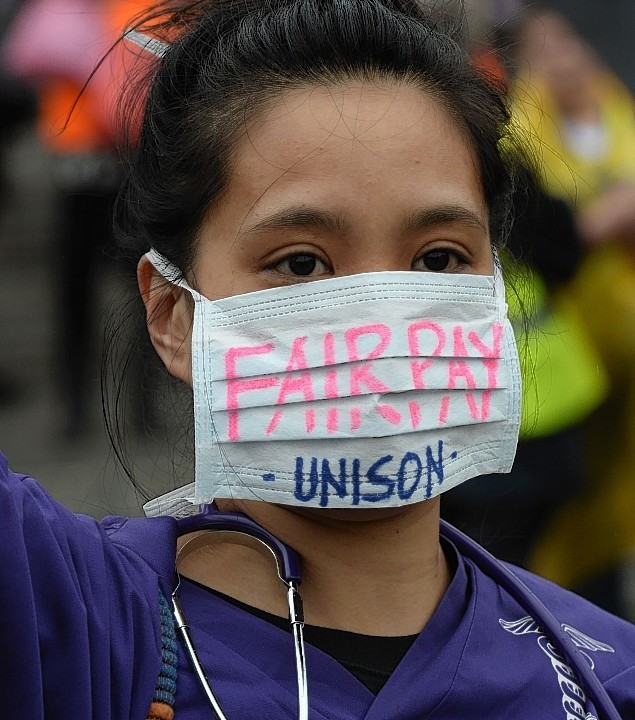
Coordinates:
370 390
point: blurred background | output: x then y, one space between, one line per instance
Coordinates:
568 509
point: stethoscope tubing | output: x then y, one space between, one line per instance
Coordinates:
530 602
297 625
288 569
484 560
183 631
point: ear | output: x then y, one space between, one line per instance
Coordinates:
169 315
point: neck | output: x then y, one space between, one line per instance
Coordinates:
376 572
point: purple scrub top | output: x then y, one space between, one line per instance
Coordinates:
80 634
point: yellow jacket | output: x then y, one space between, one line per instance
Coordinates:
595 531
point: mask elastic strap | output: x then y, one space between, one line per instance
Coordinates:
499 285
171 273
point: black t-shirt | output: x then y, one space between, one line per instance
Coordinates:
371 659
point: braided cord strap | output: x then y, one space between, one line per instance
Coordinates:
162 707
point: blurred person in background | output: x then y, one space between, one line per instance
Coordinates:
56 45
563 383
487 23
563 380
579 121
16 109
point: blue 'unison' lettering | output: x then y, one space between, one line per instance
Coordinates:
434 466
376 478
328 480
322 481
403 492
299 493
355 479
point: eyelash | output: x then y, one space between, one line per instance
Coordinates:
278 263
460 260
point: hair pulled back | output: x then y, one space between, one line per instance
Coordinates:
228 58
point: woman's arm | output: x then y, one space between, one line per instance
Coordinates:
79 612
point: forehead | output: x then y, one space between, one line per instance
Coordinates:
371 148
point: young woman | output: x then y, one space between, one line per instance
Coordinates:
316 197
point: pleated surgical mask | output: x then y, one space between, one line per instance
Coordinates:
370 390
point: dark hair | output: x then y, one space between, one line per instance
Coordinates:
232 57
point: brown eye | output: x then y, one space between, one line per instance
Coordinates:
436 260
301 265
440 260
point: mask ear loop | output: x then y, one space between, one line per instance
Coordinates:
145 42
171 273
174 276
514 406
499 285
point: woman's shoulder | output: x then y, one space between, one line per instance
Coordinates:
79 605
27 509
565 603
525 645
607 640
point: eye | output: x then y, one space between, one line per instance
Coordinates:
301 265
439 260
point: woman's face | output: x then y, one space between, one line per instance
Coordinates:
344 180
333 182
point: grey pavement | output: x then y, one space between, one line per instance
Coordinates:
80 472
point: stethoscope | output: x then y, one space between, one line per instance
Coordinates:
288 569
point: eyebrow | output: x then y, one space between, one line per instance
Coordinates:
442 215
333 222
303 217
